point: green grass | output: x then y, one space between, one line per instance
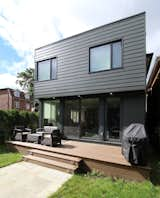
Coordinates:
7 157
95 185
81 186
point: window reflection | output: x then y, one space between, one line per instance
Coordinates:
113 117
51 112
71 118
89 117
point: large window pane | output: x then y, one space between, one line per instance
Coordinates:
89 117
113 117
54 68
100 58
116 55
71 118
44 70
51 112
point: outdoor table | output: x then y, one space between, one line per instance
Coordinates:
22 136
34 137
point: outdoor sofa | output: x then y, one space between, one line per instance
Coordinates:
20 133
49 136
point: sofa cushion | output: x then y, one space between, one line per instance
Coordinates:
50 129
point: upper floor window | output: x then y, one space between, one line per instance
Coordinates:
47 69
17 93
104 57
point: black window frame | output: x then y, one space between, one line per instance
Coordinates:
111 56
50 60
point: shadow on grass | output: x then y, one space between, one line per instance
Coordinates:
4 149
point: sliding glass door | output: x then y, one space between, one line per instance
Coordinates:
112 121
51 112
94 118
89 117
71 118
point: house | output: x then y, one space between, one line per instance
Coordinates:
153 104
14 99
92 85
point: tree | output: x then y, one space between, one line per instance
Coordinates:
25 80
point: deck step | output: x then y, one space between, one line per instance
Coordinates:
51 163
55 156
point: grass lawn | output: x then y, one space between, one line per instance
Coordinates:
81 186
7 157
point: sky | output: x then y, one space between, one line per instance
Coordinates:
29 24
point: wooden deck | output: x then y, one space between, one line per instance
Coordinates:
105 158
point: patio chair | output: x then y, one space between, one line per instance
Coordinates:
51 138
20 133
51 135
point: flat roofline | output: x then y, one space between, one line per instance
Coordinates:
117 21
6 88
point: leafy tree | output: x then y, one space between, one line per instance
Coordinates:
25 80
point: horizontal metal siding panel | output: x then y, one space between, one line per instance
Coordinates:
87 90
84 65
133 24
83 53
88 43
73 61
97 85
99 91
112 73
100 76
93 78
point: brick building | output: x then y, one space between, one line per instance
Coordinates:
14 99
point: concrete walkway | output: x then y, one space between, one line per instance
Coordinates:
28 180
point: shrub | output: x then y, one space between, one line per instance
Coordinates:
10 118
3 125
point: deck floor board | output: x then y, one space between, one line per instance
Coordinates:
99 152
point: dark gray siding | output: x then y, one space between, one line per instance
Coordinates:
73 77
133 109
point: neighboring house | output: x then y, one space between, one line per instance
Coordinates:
153 104
14 99
92 85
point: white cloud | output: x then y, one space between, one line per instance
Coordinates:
8 81
28 24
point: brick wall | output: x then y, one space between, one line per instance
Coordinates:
8 100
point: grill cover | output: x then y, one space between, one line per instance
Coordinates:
134 144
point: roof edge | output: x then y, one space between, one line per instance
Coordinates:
117 21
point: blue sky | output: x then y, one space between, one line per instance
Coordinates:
8 55
25 26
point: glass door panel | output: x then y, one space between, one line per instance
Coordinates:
51 112
113 118
89 117
71 118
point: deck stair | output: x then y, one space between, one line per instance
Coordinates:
53 160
